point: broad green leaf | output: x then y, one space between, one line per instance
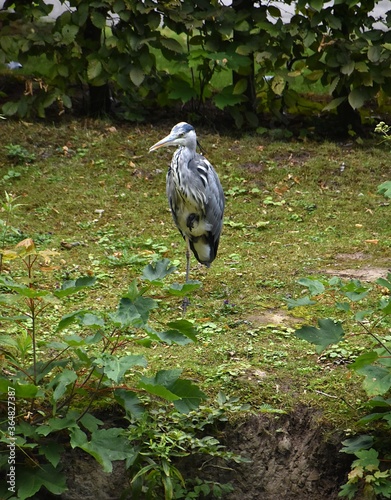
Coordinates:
10 108
129 401
69 32
357 98
227 98
334 103
105 445
304 301
61 382
377 379
25 391
34 478
357 443
94 69
133 312
314 286
364 359
367 458
374 53
182 289
90 422
115 368
355 290
82 317
52 452
73 286
137 76
98 19
328 333
21 289
240 87
191 396
171 44
385 189
58 424
158 270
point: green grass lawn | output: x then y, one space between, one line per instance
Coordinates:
293 209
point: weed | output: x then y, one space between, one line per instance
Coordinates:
19 154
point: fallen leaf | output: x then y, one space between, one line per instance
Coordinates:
372 242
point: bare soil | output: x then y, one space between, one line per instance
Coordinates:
291 457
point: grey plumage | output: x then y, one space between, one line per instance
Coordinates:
194 194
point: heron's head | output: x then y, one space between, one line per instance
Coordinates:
182 134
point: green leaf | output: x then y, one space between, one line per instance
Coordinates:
314 286
385 189
115 368
69 32
185 327
130 402
171 44
367 458
357 98
304 301
90 422
357 443
133 312
94 69
328 333
106 445
364 359
240 86
137 76
168 385
34 478
158 270
334 103
191 396
82 317
377 380
52 452
61 382
73 286
182 289
98 19
355 291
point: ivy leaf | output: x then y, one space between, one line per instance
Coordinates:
328 333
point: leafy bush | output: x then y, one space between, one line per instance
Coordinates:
370 472
56 381
126 52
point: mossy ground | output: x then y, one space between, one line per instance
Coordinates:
293 209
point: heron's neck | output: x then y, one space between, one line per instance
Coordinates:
186 154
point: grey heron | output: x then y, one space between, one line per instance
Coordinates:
195 195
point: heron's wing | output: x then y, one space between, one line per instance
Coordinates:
208 181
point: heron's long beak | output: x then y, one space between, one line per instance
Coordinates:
164 142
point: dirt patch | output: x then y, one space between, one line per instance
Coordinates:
291 458
274 317
363 274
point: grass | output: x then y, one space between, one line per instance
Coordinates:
293 209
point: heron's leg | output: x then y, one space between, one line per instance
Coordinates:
186 301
